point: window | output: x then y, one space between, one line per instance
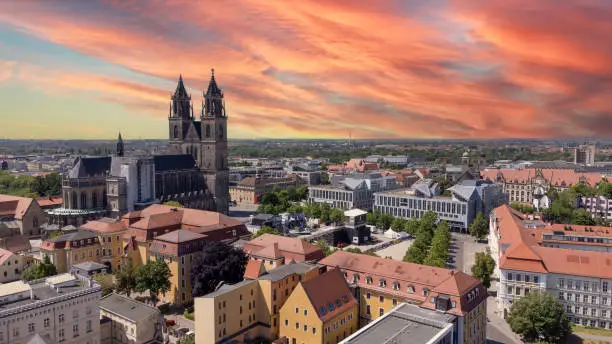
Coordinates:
382 283
517 291
381 311
518 277
396 286
410 289
286 322
75 330
604 287
297 310
314 330
305 312
604 300
368 309
536 279
369 280
46 322
509 276
61 318
394 302
75 314
297 326
88 329
527 278
368 296
305 328
381 298
61 334
425 292
31 327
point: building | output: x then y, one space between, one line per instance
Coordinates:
71 249
11 266
60 309
394 160
131 321
600 207
532 185
24 213
110 237
407 324
354 191
578 277
277 250
355 224
250 190
250 308
88 269
130 183
585 154
317 314
205 140
178 248
353 166
382 284
50 202
467 199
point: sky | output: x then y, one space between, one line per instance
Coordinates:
309 68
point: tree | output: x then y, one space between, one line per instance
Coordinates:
539 316
105 281
411 226
295 208
324 247
582 217
125 278
187 340
371 218
173 204
438 251
483 268
398 224
154 276
384 221
217 262
266 230
359 251
336 216
41 270
325 213
479 229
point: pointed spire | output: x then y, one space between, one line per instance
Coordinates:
213 89
120 148
180 92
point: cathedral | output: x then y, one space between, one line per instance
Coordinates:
195 174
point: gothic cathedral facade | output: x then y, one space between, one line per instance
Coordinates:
205 140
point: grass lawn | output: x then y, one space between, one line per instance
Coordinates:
593 331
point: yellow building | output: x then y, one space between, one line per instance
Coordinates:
110 234
178 248
72 248
251 308
320 310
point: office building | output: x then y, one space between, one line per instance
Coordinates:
585 154
353 191
250 190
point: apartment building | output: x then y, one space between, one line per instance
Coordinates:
578 276
11 266
250 308
313 314
130 321
250 190
585 154
380 285
467 199
24 212
110 236
600 207
276 250
59 309
72 248
178 248
531 185
354 191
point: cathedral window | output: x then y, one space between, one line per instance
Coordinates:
220 131
208 130
175 131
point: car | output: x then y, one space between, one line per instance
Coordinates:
170 322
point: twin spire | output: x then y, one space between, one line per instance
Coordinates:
212 102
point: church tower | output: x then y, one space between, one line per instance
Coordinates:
120 149
183 130
214 149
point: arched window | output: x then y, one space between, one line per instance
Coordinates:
175 131
220 131
83 201
208 130
195 155
35 222
94 200
103 197
74 204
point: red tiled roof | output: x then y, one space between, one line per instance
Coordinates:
329 288
105 226
5 255
14 206
253 269
556 177
51 201
180 236
290 248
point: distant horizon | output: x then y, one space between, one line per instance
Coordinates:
314 70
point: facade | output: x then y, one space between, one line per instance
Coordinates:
130 184
585 154
205 140
355 224
60 309
178 248
110 237
276 250
24 213
382 284
11 266
131 321
250 190
600 207
579 277
313 314
424 326
250 308
468 198
71 249
532 186
355 191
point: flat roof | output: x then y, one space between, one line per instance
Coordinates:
11 288
228 287
126 307
405 324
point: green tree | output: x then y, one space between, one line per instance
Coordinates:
302 193
125 278
295 208
539 316
605 189
438 251
41 270
270 197
582 217
336 216
359 251
371 218
106 282
483 268
266 230
412 226
327 250
325 213
187 340
398 224
479 229
173 204
217 262
384 221
154 276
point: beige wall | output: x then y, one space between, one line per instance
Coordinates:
11 269
126 331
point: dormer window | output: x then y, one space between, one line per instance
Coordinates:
425 292
410 289
382 283
396 285
369 280
355 278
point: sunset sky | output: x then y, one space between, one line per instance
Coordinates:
309 69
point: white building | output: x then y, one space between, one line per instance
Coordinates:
61 308
130 321
580 279
354 191
130 184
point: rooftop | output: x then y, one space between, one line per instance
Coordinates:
286 270
329 294
228 287
405 324
180 236
14 206
127 308
89 266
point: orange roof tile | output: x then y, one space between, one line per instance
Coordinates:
556 177
14 206
254 269
105 226
291 248
329 288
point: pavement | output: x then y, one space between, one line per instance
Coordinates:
498 330
242 211
397 251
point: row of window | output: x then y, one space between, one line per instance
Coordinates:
583 299
583 285
522 277
439 206
32 329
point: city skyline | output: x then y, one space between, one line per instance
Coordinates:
385 69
